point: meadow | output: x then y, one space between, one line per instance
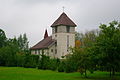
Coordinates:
19 73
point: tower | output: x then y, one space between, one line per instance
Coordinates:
63 31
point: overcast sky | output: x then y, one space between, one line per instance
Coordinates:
34 16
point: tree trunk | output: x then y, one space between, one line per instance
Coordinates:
113 71
110 72
85 73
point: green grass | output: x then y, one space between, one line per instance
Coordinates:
19 73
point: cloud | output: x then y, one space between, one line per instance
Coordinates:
34 16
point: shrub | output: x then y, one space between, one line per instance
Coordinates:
7 56
31 61
44 62
53 64
70 66
61 67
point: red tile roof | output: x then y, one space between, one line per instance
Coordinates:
63 20
44 44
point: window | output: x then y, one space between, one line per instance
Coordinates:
67 29
51 50
38 51
42 51
35 51
55 35
67 42
55 44
55 51
56 29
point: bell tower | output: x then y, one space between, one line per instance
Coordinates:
63 31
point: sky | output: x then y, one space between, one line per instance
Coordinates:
34 16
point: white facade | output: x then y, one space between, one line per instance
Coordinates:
64 39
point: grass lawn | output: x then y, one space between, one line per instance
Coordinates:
19 73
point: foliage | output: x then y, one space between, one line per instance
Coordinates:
2 38
81 59
61 67
31 61
108 46
7 56
44 62
23 42
20 59
13 51
53 64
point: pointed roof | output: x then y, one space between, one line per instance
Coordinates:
63 20
46 34
44 44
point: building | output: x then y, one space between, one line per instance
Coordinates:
57 45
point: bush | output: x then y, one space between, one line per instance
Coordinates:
7 56
20 59
70 66
44 62
91 70
31 61
61 67
53 64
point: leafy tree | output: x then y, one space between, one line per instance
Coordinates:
23 42
82 55
7 56
12 50
81 59
107 47
2 38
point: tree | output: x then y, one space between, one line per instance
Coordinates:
81 59
81 55
2 38
23 42
108 46
12 50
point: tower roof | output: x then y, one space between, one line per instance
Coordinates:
63 20
46 34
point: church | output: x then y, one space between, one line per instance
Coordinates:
58 44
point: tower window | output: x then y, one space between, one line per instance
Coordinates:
68 29
67 42
55 35
56 29
55 44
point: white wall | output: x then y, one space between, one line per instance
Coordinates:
61 37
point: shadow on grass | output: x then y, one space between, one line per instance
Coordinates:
99 77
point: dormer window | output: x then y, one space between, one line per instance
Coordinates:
67 29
